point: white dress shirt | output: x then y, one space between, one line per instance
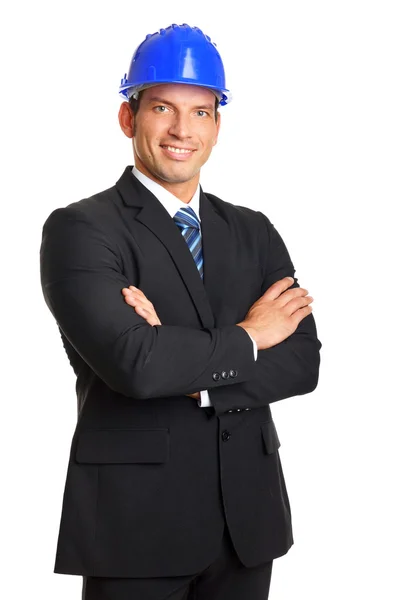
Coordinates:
172 204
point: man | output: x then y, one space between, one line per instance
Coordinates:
183 321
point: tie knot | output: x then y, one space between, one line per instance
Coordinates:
186 217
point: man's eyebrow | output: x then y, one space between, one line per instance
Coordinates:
164 101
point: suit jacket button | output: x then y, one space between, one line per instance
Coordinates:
233 373
225 375
216 376
225 435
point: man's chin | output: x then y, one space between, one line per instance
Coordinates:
177 175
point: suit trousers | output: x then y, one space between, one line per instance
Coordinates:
225 578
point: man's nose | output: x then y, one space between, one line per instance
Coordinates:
180 126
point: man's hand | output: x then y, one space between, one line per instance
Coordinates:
195 395
137 299
277 313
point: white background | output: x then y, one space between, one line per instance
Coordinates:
312 140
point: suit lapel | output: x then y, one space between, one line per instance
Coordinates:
154 216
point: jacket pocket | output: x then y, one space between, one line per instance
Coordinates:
120 446
270 437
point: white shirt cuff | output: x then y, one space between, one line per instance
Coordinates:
254 347
204 399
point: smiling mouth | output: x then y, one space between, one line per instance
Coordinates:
176 150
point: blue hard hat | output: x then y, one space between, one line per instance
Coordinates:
177 54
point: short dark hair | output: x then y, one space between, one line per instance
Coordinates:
135 103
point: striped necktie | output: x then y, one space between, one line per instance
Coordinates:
187 221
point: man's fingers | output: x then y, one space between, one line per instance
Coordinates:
136 290
289 295
149 315
151 319
299 315
137 296
141 296
130 298
278 288
136 302
142 306
132 289
298 303
195 395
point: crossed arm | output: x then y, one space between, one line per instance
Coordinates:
82 280
142 305
288 369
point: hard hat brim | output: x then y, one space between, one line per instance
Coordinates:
226 94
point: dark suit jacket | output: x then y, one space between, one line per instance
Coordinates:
150 473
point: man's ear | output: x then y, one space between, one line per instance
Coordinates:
126 119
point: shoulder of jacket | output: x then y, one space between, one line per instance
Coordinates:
231 210
96 208
228 210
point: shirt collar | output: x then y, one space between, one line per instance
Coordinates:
170 202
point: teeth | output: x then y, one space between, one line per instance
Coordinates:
178 150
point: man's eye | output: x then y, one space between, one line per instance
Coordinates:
163 109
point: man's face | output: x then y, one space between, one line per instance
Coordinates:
175 116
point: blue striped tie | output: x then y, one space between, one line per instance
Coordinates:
187 221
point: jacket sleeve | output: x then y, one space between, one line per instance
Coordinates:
290 368
82 280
